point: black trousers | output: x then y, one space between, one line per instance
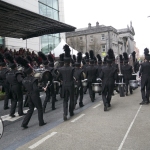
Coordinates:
79 94
50 93
107 94
145 88
34 101
91 92
6 100
17 96
145 94
68 93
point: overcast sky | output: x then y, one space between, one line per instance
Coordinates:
116 13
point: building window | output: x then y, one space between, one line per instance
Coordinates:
91 38
49 8
103 37
103 48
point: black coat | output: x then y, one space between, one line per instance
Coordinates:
78 74
127 72
145 75
66 74
108 76
91 73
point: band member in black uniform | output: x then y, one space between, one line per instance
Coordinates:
78 74
66 75
133 61
84 69
53 72
3 71
99 67
127 72
31 85
108 76
120 69
73 60
104 62
50 88
99 64
61 64
61 60
14 79
95 61
91 74
145 78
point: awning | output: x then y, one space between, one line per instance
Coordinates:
17 22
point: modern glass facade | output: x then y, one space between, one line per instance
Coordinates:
49 8
1 41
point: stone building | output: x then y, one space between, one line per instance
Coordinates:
100 38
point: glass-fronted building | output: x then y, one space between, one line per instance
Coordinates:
49 8
53 9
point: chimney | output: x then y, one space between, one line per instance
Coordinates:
89 25
97 24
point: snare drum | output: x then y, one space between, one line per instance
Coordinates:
84 82
133 84
96 87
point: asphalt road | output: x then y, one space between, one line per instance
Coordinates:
14 136
125 126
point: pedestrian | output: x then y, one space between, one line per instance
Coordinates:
144 74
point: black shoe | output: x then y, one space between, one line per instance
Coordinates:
65 118
53 108
131 92
84 92
6 108
147 102
81 104
109 105
24 126
92 99
105 107
22 114
42 124
71 114
126 94
142 103
12 116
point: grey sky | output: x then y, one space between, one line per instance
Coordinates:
117 13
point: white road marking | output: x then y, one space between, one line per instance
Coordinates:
42 140
9 118
123 141
96 106
77 118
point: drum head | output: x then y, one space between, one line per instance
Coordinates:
37 74
95 83
1 128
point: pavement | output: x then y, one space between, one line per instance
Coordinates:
125 126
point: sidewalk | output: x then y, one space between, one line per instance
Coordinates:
125 126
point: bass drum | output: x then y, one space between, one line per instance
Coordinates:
43 76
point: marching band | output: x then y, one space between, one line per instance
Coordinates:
71 78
